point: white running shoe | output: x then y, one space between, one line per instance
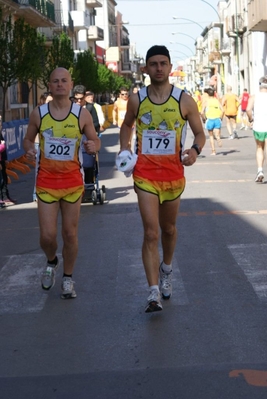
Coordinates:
165 283
260 177
68 291
153 302
49 276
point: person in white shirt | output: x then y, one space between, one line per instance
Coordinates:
256 111
89 98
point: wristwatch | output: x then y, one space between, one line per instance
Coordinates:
197 148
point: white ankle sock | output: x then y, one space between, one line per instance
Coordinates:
154 287
166 268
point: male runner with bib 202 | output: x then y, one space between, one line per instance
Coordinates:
59 179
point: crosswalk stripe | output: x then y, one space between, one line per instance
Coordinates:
20 289
131 278
251 259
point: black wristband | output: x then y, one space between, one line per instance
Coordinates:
197 148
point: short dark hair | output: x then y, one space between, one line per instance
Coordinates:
123 89
157 50
89 93
263 81
210 91
79 89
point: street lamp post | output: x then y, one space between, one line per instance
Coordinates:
214 9
184 34
181 44
178 51
190 20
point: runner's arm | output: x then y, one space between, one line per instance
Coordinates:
127 125
32 131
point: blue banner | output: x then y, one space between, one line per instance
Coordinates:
14 133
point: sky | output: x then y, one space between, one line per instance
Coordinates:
151 22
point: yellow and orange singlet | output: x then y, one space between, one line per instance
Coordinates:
59 162
161 134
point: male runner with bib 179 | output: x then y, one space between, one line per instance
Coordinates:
161 112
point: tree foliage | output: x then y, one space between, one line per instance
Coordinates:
31 50
60 54
8 65
86 70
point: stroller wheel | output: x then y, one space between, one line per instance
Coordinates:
102 197
104 189
94 197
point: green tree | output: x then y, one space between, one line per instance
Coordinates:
30 46
8 64
86 70
104 79
117 82
60 54
20 46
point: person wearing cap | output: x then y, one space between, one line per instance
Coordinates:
256 112
89 98
161 112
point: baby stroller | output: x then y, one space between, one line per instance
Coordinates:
92 192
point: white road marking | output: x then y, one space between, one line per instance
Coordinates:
131 279
21 290
252 260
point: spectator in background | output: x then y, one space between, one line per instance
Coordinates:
256 111
79 97
244 103
5 196
120 106
45 98
230 103
89 98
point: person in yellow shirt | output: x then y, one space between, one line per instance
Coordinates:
230 103
120 107
212 111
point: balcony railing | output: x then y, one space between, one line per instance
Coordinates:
62 25
95 33
39 13
94 3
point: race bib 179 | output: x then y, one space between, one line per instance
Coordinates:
158 142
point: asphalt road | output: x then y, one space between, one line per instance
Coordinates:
210 340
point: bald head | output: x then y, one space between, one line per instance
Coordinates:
60 83
59 71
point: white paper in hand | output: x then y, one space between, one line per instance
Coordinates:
125 162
